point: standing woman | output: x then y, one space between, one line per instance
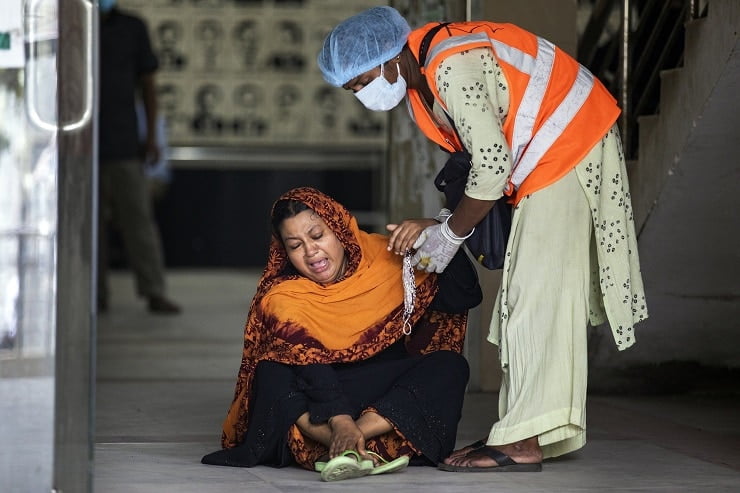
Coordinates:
542 135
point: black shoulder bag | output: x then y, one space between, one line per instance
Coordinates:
488 242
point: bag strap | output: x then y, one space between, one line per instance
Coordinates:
427 40
459 139
423 49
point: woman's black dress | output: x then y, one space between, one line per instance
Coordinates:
421 395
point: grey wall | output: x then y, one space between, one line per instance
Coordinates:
685 188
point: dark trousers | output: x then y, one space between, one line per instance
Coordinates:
421 395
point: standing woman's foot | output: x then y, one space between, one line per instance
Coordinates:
462 452
522 452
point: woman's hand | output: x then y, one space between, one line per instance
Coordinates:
345 435
404 235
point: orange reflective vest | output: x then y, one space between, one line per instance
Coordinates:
557 109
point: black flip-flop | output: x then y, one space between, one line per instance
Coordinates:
505 463
476 445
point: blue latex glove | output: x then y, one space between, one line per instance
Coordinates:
435 247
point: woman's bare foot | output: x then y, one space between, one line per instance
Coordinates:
466 450
522 452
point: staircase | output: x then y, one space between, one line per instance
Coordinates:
688 96
685 187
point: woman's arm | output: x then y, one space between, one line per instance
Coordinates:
468 213
473 88
404 235
474 91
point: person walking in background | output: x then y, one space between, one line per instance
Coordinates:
541 133
127 67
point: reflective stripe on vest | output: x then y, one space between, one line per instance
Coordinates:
528 149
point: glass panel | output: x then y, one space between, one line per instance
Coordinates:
28 198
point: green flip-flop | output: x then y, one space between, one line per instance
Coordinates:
387 466
347 465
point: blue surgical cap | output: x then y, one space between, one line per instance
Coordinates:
362 42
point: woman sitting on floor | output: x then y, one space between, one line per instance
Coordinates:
330 368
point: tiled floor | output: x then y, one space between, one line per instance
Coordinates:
164 384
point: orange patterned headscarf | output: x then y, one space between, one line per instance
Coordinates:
296 321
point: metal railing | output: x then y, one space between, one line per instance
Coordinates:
627 43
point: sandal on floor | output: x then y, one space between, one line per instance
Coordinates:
505 463
348 465
387 466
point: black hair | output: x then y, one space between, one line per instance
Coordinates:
285 209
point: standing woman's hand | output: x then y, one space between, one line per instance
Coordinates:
404 235
345 435
435 248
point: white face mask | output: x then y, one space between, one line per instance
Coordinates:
381 95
